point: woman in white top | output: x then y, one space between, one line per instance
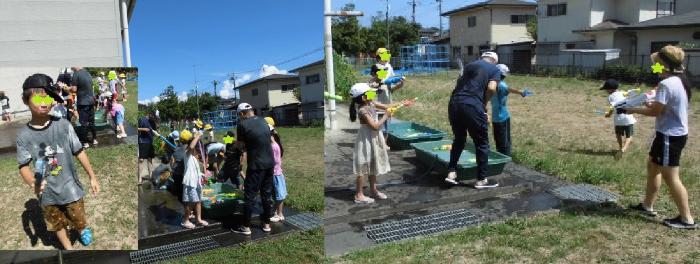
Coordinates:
670 108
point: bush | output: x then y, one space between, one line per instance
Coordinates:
627 73
344 76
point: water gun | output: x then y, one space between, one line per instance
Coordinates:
527 92
395 108
635 98
444 147
327 95
393 80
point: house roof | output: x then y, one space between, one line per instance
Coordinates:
690 19
318 62
267 78
491 3
610 24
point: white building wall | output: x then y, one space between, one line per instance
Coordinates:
258 102
462 36
312 92
60 33
685 6
505 32
277 97
559 28
602 10
645 37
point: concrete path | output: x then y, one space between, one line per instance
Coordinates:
415 191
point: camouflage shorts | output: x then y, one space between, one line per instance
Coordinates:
58 217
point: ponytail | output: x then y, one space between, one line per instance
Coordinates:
686 85
353 109
276 136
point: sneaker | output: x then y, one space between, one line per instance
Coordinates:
94 141
266 228
86 236
275 219
119 135
242 230
678 223
86 145
485 183
640 208
452 178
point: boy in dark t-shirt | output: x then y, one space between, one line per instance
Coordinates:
51 143
233 158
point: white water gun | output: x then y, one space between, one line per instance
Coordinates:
635 98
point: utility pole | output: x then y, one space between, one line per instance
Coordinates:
440 14
196 88
328 51
215 82
387 24
413 16
232 79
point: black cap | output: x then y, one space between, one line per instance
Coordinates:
40 80
610 84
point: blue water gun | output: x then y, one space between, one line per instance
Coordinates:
393 80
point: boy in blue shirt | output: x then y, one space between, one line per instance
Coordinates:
500 119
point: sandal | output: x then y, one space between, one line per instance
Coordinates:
202 223
188 225
380 196
367 200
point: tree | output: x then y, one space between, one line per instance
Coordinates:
532 27
344 75
346 33
169 106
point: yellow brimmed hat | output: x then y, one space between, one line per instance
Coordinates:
185 136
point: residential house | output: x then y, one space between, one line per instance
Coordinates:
480 27
595 32
65 33
270 92
312 79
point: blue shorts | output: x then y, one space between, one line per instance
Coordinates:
280 188
119 118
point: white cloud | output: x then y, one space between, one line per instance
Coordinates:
153 100
182 96
269 70
227 88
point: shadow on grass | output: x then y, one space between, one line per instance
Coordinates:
590 152
607 210
35 227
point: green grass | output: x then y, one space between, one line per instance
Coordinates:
131 105
303 170
112 214
300 247
557 132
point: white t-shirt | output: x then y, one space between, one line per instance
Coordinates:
673 120
385 96
620 119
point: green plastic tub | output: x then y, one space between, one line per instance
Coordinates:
403 134
431 154
220 200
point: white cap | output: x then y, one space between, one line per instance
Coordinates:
504 69
491 54
359 89
244 106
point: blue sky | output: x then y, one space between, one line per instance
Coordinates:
426 10
219 37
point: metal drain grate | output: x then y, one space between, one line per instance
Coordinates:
172 251
420 226
584 192
305 221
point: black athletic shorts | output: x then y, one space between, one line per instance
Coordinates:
627 131
146 151
666 150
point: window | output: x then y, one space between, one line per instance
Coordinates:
456 52
470 50
657 45
484 48
471 21
570 46
665 7
313 78
255 91
519 19
288 87
556 10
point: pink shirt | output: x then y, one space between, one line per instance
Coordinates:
116 107
277 154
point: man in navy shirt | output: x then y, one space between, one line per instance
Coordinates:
467 114
146 132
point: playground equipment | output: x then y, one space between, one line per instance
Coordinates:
425 58
221 120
